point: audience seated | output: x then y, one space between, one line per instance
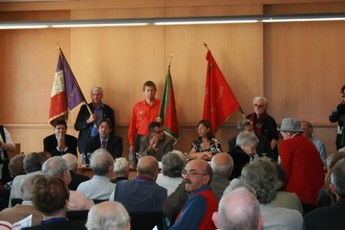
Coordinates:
172 166
121 170
206 145
302 164
331 217
108 215
105 139
239 210
326 197
57 166
26 208
262 176
156 143
244 151
99 186
141 194
286 199
60 142
50 195
32 165
222 166
198 210
262 149
307 127
72 163
15 167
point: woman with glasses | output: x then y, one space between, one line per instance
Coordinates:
206 145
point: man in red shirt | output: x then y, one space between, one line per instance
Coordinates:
144 112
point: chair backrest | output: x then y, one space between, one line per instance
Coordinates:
146 220
15 201
77 215
96 201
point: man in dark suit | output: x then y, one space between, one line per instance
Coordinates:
105 139
331 217
60 143
87 124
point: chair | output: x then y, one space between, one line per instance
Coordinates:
146 220
96 201
77 215
15 201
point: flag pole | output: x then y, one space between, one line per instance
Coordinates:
63 56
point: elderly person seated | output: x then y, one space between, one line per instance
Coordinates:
244 151
172 165
262 176
108 215
121 170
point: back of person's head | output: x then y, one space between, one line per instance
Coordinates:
222 164
153 125
246 138
16 165
338 179
331 162
238 183
148 166
50 195
172 164
108 215
26 189
71 160
101 162
55 166
241 126
121 167
60 122
32 162
263 177
45 156
239 210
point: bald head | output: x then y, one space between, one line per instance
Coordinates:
72 161
148 166
108 215
239 209
222 164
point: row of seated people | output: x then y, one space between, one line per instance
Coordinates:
145 194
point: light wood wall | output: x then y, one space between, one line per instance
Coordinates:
297 66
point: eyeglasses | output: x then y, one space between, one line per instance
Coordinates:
259 106
191 173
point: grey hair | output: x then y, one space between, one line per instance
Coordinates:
243 124
238 183
260 98
222 168
338 178
55 166
262 175
98 88
246 138
172 164
72 161
107 215
100 162
120 166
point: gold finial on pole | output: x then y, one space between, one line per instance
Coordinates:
57 44
205 45
170 58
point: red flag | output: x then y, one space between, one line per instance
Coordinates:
220 101
66 93
167 110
